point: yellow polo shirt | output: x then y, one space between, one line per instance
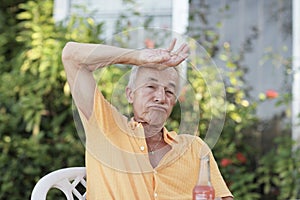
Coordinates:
118 166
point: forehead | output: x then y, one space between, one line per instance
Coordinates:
168 76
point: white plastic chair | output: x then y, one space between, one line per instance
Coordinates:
68 180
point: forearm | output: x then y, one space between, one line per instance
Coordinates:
93 56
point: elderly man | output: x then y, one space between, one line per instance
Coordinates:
135 158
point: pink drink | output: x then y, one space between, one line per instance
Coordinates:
203 192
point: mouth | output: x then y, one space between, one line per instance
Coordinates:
157 107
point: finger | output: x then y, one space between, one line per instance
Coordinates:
185 52
182 55
172 45
184 48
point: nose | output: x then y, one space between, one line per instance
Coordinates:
159 95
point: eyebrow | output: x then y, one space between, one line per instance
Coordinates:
155 80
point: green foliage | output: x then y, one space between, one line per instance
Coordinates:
36 123
240 180
279 170
239 119
24 161
276 172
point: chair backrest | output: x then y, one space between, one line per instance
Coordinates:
71 181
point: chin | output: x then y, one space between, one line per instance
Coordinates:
156 118
159 121
156 124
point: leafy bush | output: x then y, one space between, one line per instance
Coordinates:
36 123
279 170
244 166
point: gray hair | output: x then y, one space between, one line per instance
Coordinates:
134 72
132 77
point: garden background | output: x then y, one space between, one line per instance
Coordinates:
37 132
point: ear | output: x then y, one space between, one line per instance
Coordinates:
129 94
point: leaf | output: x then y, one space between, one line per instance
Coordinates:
24 16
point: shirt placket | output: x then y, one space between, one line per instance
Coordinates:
144 149
141 142
155 185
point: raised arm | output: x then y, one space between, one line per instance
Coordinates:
81 59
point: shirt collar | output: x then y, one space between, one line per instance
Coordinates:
169 136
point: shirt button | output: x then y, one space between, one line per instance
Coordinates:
155 194
142 148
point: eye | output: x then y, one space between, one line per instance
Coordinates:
170 92
150 86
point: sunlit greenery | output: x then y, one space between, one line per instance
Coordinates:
36 123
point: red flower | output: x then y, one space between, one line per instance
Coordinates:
241 157
149 43
225 162
271 94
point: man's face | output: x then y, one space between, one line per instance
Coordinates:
154 95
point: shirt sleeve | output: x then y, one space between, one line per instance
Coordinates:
104 115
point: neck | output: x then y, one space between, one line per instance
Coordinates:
152 131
